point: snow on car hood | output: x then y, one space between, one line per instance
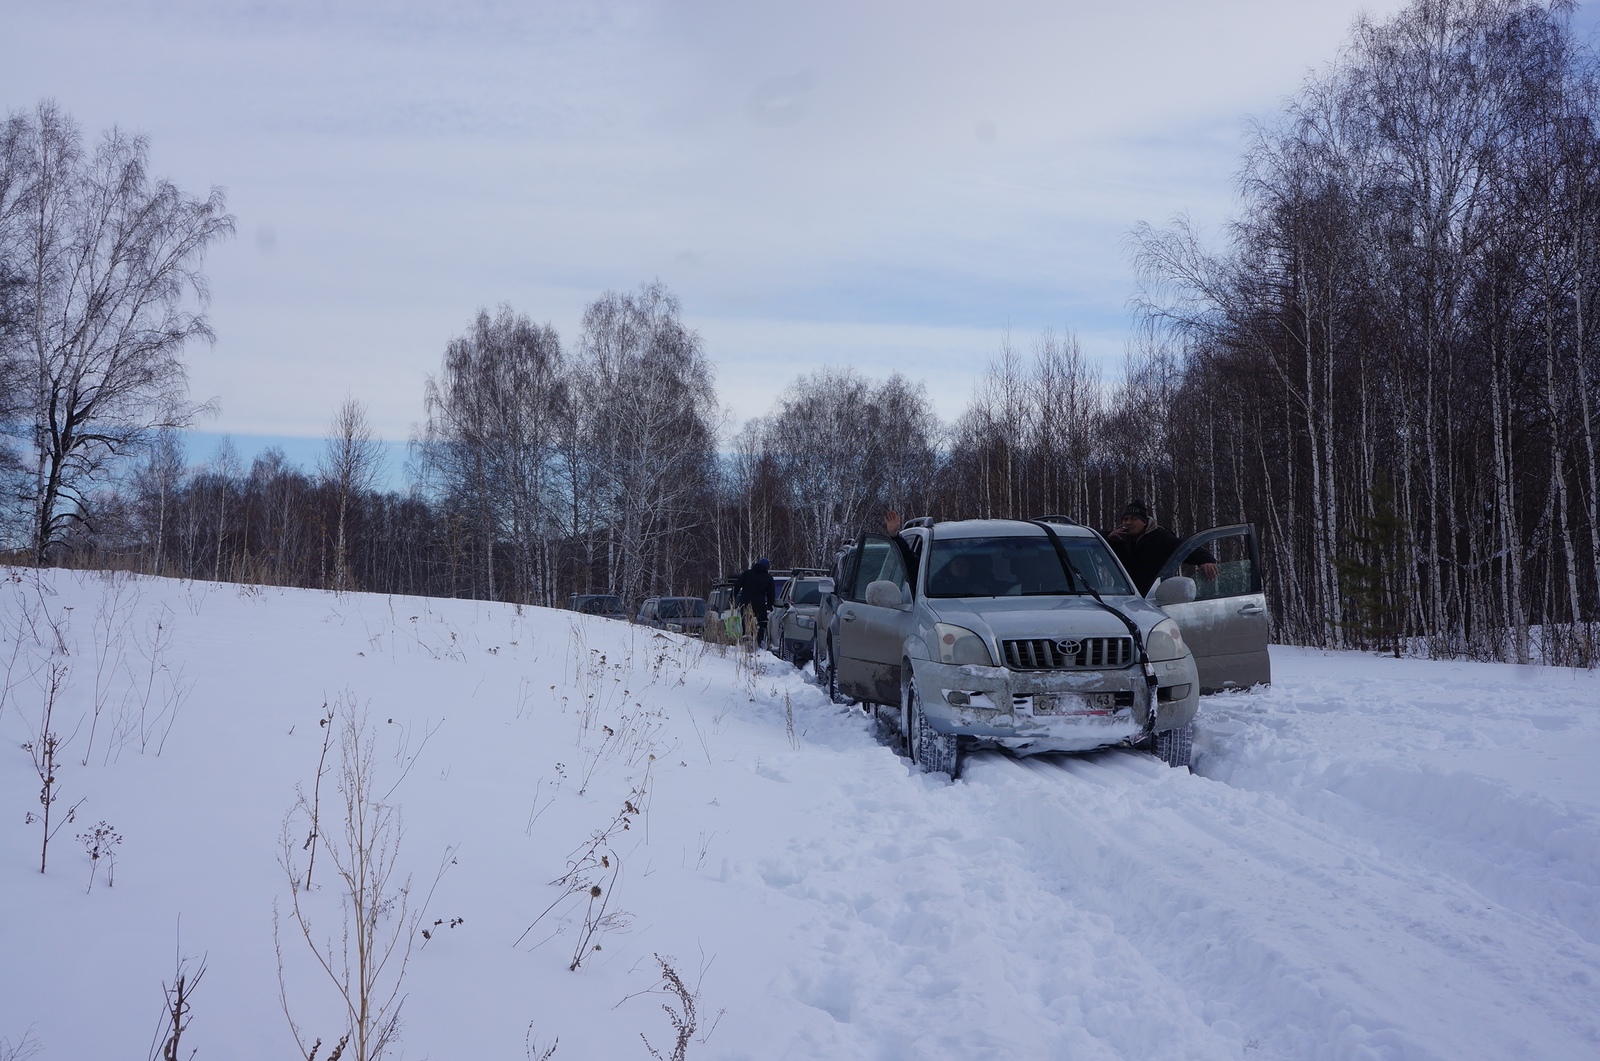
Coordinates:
1006 618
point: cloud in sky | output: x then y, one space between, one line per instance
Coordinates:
889 186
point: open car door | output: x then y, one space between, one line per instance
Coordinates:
871 635
1226 625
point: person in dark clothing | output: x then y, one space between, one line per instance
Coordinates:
755 590
1144 547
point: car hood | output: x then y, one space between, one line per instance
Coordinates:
1009 618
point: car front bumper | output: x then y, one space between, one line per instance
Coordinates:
1028 712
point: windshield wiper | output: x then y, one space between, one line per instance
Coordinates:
1074 576
1133 628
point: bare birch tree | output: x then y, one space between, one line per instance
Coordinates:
352 460
104 267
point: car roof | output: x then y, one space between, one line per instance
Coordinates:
1003 528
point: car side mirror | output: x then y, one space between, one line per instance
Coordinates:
825 586
885 594
1179 589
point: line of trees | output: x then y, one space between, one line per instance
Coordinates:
1388 365
1395 351
566 473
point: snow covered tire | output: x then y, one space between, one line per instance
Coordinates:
828 671
932 751
1175 746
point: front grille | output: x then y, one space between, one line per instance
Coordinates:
1068 653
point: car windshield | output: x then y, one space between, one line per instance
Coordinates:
807 591
1019 566
680 607
599 605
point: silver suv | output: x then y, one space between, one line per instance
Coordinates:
792 624
1028 636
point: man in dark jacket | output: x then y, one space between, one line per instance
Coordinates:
1144 548
755 590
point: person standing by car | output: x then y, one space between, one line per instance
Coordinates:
755 590
1144 547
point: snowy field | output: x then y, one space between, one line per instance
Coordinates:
1374 858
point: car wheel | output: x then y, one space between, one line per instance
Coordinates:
830 674
1175 746
932 751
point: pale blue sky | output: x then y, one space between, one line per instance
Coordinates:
888 186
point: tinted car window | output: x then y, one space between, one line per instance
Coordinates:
879 561
1003 567
844 571
806 592
1236 574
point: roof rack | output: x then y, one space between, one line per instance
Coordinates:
918 521
1065 521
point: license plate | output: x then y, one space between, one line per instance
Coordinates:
1074 703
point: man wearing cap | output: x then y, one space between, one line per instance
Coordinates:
755 590
1144 548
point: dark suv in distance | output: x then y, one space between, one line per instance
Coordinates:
681 615
608 605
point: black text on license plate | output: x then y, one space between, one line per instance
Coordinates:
1074 703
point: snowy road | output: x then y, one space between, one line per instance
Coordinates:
1299 902
1313 939
1374 859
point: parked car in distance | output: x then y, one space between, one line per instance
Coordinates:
720 610
1030 636
681 615
608 605
792 624
723 610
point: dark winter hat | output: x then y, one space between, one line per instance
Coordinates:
1137 510
763 562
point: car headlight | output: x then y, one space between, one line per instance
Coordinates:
1165 641
806 622
960 646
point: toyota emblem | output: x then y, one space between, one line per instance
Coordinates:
1068 647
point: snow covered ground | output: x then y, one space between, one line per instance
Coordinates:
1374 859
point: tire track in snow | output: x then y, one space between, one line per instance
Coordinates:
1314 943
926 935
